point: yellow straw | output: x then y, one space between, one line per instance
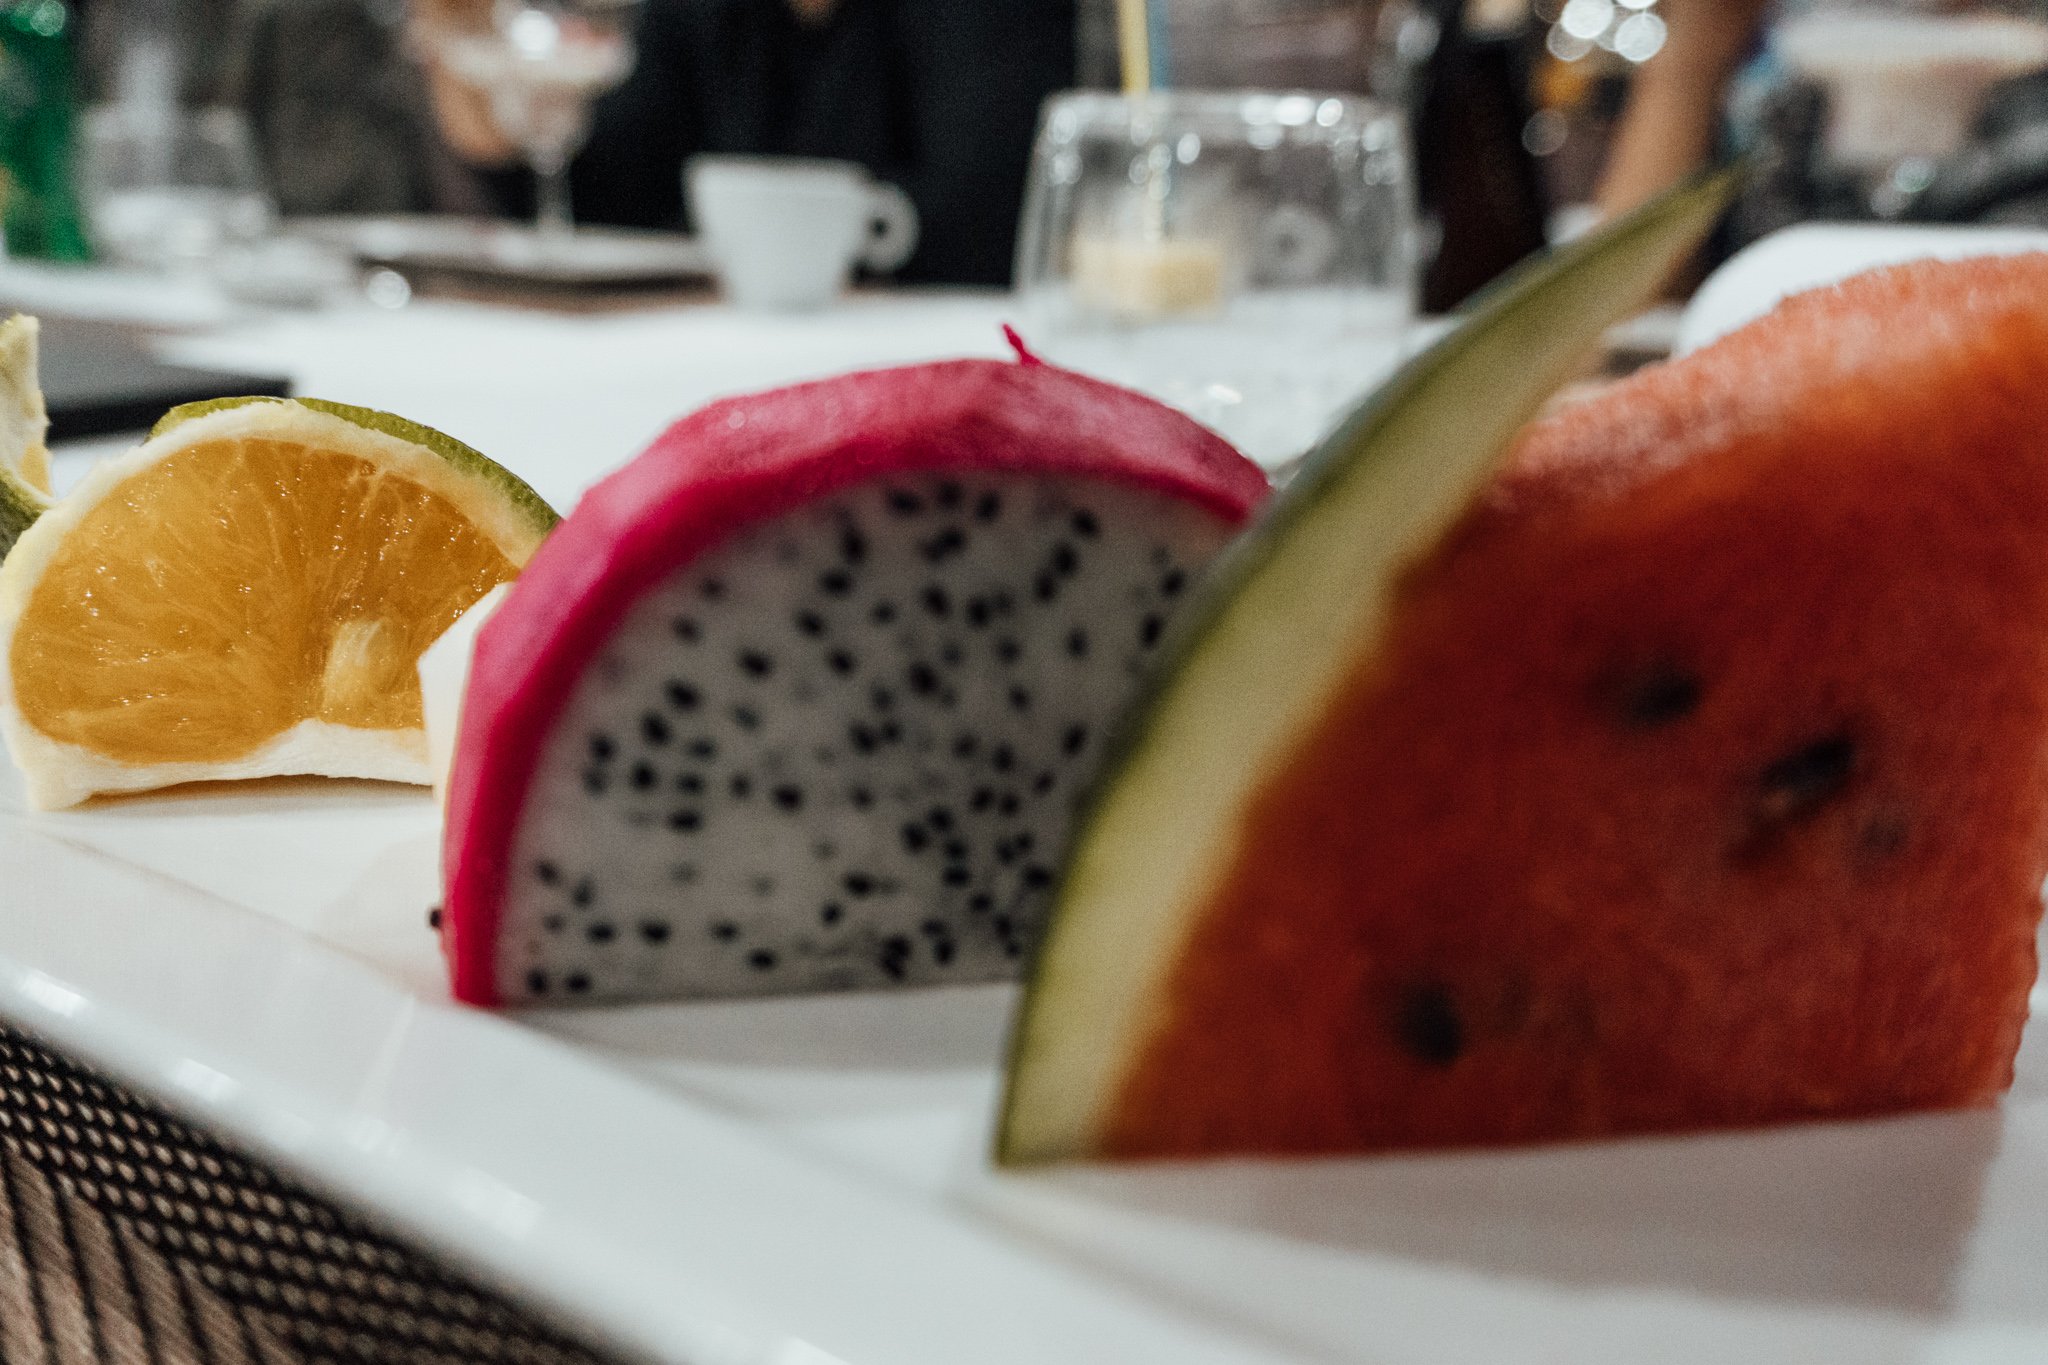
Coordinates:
1135 42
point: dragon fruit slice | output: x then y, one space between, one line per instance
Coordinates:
804 698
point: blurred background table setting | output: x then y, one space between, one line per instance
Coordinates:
550 227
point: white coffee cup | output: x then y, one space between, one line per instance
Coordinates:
785 232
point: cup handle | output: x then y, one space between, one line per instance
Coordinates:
892 230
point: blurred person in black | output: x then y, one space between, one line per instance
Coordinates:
940 97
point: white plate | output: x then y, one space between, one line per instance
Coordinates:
726 1183
592 256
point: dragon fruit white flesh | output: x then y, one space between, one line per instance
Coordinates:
806 696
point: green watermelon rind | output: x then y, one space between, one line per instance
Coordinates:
465 458
1377 493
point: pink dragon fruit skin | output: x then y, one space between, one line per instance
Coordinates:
752 590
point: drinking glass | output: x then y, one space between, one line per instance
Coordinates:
541 64
1247 256
168 189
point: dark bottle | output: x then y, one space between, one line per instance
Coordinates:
38 195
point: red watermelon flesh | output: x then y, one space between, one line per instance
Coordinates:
1701 780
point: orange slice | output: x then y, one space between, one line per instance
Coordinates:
247 594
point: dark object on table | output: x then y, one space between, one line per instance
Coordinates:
99 379
129 1236
1476 180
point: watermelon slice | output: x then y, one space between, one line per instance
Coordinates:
1695 776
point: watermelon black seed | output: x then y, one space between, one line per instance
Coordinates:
1882 836
810 623
915 840
741 786
643 777
703 747
934 928
549 873
1074 740
836 582
690 784
654 931
964 746
955 850
681 695
943 951
853 546
1086 525
977 611
1009 651
1037 877
841 662
746 717
433 917
761 959
582 894
1045 587
983 798
981 902
831 913
1148 631
1802 781
861 797
951 654
1043 783
937 601
537 982
713 589
755 664
1064 560
683 873
881 698
762 885
685 821
1171 584
939 818
883 614
948 495
789 798
601 932
858 884
1077 643
578 982
902 500
602 747
553 923
987 507
654 729
725 931
685 629
956 875
1003 758
923 679
1020 700
1660 695
862 738
1427 1024
594 782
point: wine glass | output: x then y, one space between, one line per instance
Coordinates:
541 64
